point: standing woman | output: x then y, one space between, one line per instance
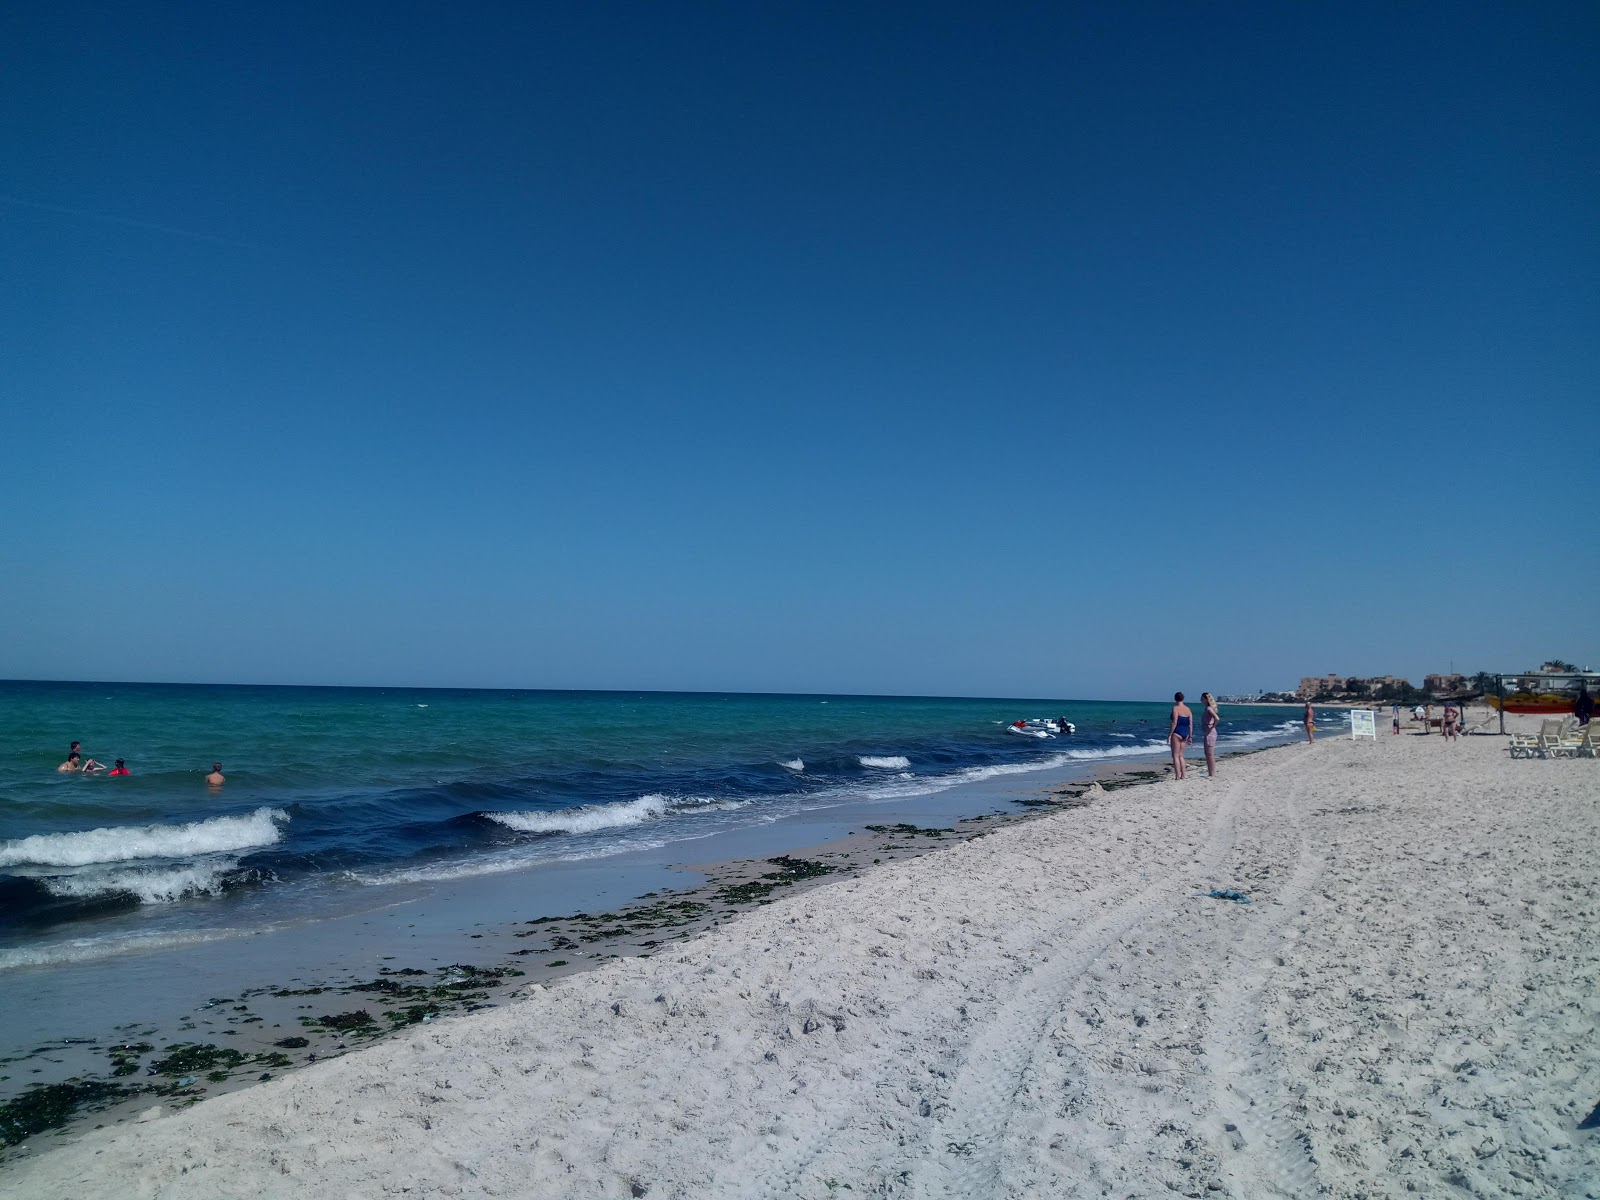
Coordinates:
1209 720
1178 732
1311 723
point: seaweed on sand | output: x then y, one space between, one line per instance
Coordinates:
790 871
1129 779
358 1018
904 830
191 1058
45 1106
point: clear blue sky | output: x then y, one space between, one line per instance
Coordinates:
1028 349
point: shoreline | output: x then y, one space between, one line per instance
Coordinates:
231 1043
1057 1006
282 1027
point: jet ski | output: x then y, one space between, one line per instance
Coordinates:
1028 729
1040 727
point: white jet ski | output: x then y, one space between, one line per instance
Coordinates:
1029 730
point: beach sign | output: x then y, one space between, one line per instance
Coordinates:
1363 723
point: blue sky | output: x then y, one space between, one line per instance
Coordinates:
1044 350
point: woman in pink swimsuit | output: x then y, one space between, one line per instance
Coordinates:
1209 720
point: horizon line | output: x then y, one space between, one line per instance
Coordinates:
369 687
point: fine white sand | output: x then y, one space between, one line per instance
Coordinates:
1407 1008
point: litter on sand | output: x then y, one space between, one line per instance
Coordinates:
1228 894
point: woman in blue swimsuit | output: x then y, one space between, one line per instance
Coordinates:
1178 732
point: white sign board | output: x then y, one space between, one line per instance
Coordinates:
1363 723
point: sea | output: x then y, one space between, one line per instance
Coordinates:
334 798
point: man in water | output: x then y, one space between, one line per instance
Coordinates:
120 769
215 778
74 761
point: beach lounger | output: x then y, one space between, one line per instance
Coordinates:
1584 741
1523 745
1552 739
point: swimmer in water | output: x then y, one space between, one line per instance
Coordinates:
74 762
215 778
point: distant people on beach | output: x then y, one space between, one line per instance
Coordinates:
120 769
1584 708
215 779
1178 732
1397 719
1448 728
1311 723
1209 720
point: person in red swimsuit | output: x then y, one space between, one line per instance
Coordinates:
119 769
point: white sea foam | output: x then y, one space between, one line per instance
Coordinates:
591 818
893 762
1250 737
1117 751
152 885
124 844
89 948
496 864
793 764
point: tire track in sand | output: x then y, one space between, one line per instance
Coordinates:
781 1169
1262 1149
964 1157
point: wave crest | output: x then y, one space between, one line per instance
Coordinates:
889 762
793 764
150 885
591 818
127 843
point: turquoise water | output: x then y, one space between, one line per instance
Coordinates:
330 790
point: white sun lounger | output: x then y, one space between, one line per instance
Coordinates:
1553 739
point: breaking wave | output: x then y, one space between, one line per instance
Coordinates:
893 762
124 844
590 818
150 885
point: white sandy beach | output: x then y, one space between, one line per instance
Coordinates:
1408 1007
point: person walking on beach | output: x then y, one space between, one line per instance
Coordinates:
1178 732
1209 720
1584 708
1311 723
215 779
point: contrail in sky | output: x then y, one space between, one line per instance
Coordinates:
128 221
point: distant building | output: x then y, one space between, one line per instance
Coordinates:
1443 683
1376 684
1314 685
1349 685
